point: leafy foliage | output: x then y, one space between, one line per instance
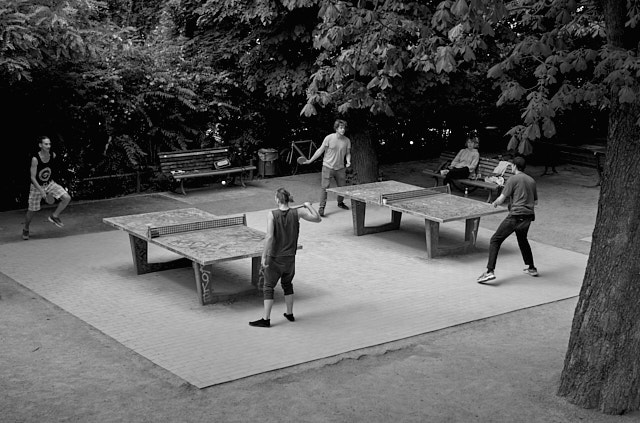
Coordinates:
34 35
567 64
283 56
370 49
109 98
143 15
266 49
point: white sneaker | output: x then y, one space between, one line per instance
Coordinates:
530 272
486 276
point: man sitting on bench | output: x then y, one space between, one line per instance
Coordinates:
465 162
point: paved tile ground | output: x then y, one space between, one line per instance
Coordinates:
352 292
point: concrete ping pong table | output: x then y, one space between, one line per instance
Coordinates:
435 205
201 238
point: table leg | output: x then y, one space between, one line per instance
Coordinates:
203 282
432 237
256 262
139 253
358 211
471 231
139 248
432 234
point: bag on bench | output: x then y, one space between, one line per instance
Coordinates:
502 167
497 175
499 180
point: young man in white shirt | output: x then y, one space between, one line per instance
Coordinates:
337 158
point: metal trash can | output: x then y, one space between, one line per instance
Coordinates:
267 162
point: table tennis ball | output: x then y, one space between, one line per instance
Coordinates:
224 182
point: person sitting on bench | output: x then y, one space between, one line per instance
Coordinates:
465 162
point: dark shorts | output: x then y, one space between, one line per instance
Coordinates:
279 268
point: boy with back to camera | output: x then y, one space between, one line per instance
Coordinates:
279 255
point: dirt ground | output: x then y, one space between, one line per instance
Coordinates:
56 368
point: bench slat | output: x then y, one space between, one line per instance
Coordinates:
195 153
200 173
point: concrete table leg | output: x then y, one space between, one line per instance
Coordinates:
139 251
471 231
256 263
432 233
203 276
358 211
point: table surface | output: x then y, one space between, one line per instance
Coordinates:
439 208
205 246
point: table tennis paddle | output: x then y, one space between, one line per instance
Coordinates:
301 159
49 199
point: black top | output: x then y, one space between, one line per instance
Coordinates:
286 228
45 170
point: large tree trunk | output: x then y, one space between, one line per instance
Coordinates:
602 365
364 161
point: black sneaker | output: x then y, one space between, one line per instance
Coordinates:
321 211
56 221
262 323
531 271
25 234
290 317
343 206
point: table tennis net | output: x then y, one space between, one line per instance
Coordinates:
416 193
157 231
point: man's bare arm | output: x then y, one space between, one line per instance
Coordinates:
309 213
268 240
499 200
317 154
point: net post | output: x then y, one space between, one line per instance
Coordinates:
152 232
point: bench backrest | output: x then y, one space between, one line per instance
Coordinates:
188 160
485 165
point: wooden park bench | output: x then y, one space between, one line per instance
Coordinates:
474 181
205 162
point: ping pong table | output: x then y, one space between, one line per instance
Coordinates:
201 238
436 205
